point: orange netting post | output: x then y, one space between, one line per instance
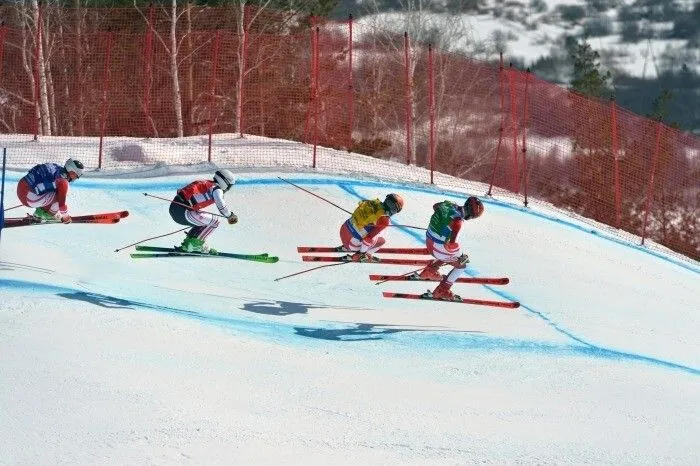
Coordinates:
212 87
37 74
242 93
650 187
408 97
501 101
148 70
525 174
105 92
512 78
351 87
431 107
3 34
616 157
315 79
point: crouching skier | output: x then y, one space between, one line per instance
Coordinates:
186 206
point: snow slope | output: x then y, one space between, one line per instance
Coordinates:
109 360
527 31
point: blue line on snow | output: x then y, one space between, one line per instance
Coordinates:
348 185
271 329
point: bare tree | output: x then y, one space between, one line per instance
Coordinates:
449 33
174 47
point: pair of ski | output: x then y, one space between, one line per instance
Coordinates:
374 260
408 277
102 218
151 252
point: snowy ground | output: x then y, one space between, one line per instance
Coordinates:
109 360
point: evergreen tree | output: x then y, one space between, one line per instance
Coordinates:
588 79
660 108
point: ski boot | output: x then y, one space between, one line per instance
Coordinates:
430 273
364 257
41 215
191 244
444 293
359 257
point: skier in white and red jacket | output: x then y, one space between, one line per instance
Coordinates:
187 204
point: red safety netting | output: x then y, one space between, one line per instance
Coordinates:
110 77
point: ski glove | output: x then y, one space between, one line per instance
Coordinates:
63 218
232 219
463 260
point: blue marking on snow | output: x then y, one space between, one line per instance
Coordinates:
448 340
459 340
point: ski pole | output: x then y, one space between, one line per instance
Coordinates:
307 191
403 275
439 263
309 270
14 207
335 205
407 226
148 239
181 204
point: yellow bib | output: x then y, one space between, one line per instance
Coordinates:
367 214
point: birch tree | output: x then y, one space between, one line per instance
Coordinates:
425 23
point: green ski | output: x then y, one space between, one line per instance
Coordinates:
154 251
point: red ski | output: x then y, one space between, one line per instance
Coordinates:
103 218
415 277
322 249
478 302
375 260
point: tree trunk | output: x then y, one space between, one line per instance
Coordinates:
177 95
78 72
50 91
189 102
65 76
41 67
241 72
27 59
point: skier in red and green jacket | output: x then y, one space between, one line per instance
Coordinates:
441 241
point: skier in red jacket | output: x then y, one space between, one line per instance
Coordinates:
186 207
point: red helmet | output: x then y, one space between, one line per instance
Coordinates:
473 208
393 204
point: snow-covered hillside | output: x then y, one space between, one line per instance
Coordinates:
631 37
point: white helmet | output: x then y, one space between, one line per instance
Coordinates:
224 179
74 166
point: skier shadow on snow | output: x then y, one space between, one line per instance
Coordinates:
360 332
357 331
363 332
279 308
111 302
285 308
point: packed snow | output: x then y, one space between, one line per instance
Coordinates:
106 359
